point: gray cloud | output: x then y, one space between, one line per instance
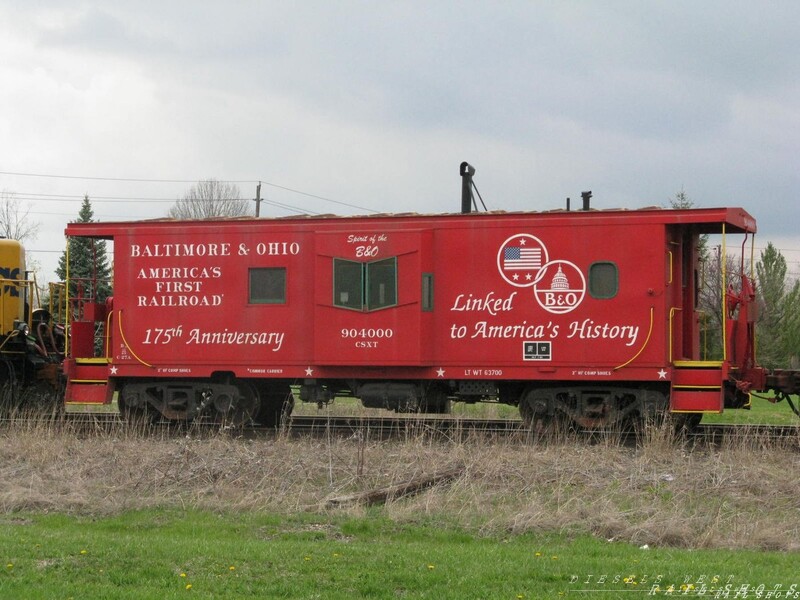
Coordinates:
375 104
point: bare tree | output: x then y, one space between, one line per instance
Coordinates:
709 303
211 198
15 223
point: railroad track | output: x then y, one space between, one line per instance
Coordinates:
385 427
403 425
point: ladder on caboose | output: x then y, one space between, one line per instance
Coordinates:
87 373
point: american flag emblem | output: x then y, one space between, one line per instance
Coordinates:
521 260
516 258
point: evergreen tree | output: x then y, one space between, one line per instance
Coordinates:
89 270
777 324
792 328
681 201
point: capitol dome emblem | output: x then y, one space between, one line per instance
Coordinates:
562 287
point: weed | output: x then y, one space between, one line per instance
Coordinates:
664 491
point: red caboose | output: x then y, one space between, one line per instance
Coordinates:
587 315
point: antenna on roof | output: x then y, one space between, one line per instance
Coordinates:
467 185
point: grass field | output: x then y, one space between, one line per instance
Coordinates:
122 513
187 553
762 412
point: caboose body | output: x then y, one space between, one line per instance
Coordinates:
589 315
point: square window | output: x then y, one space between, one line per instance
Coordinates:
268 285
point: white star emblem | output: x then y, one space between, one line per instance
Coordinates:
309 372
662 374
515 277
528 276
440 372
113 369
522 242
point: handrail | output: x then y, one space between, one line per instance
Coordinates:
646 341
724 294
125 341
672 312
671 267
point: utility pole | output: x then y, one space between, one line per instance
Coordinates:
258 199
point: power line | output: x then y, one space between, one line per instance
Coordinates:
120 200
145 180
281 187
73 197
128 179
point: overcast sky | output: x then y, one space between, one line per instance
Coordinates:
373 105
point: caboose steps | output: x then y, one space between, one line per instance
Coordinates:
697 386
87 380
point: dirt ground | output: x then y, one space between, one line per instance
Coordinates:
661 491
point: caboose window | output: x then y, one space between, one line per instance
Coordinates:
364 286
427 291
348 284
381 283
603 280
268 285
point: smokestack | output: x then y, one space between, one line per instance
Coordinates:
586 197
467 171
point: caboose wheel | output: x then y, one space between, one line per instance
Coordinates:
535 417
244 408
276 405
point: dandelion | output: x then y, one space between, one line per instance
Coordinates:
520 596
336 555
188 586
10 566
84 552
183 574
431 567
231 568
554 557
306 558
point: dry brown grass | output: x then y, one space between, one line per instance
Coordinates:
660 492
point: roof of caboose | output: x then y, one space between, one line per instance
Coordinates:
702 220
